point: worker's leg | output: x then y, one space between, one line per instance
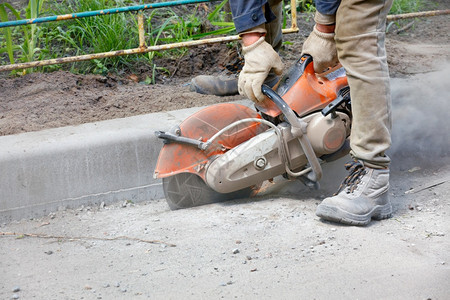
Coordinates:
360 36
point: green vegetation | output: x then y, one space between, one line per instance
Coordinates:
403 7
27 44
406 6
104 33
119 31
93 35
305 6
398 7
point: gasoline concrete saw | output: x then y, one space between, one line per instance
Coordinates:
226 151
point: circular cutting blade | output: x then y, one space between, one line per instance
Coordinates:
188 190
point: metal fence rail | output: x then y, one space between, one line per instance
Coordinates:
421 14
141 49
102 12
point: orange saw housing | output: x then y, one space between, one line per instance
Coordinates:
177 158
304 91
300 88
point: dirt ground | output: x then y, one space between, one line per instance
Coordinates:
269 247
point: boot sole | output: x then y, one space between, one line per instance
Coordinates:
335 214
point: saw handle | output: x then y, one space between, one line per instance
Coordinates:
298 130
168 137
343 97
285 109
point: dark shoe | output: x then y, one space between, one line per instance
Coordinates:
215 85
222 85
362 196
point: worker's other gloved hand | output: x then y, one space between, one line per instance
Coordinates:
322 47
259 58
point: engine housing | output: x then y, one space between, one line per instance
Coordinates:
328 134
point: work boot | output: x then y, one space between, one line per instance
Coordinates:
222 85
362 196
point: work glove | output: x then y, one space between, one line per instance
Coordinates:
322 47
259 59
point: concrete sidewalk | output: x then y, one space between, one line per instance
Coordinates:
88 164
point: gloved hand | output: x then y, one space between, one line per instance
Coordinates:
322 47
259 59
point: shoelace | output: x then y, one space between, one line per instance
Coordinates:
357 171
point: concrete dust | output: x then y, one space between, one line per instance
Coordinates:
421 114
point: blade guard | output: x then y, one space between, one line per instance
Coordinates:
301 82
177 158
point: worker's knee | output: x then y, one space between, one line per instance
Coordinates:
356 18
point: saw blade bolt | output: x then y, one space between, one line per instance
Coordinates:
260 163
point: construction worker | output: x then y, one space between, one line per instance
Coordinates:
351 32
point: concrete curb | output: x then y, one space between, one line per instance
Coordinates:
67 167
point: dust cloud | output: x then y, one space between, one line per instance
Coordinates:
421 120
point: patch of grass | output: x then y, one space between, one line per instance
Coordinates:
406 6
6 42
106 33
403 7
69 38
28 34
305 7
94 35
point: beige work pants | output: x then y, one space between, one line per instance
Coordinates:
360 42
274 34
